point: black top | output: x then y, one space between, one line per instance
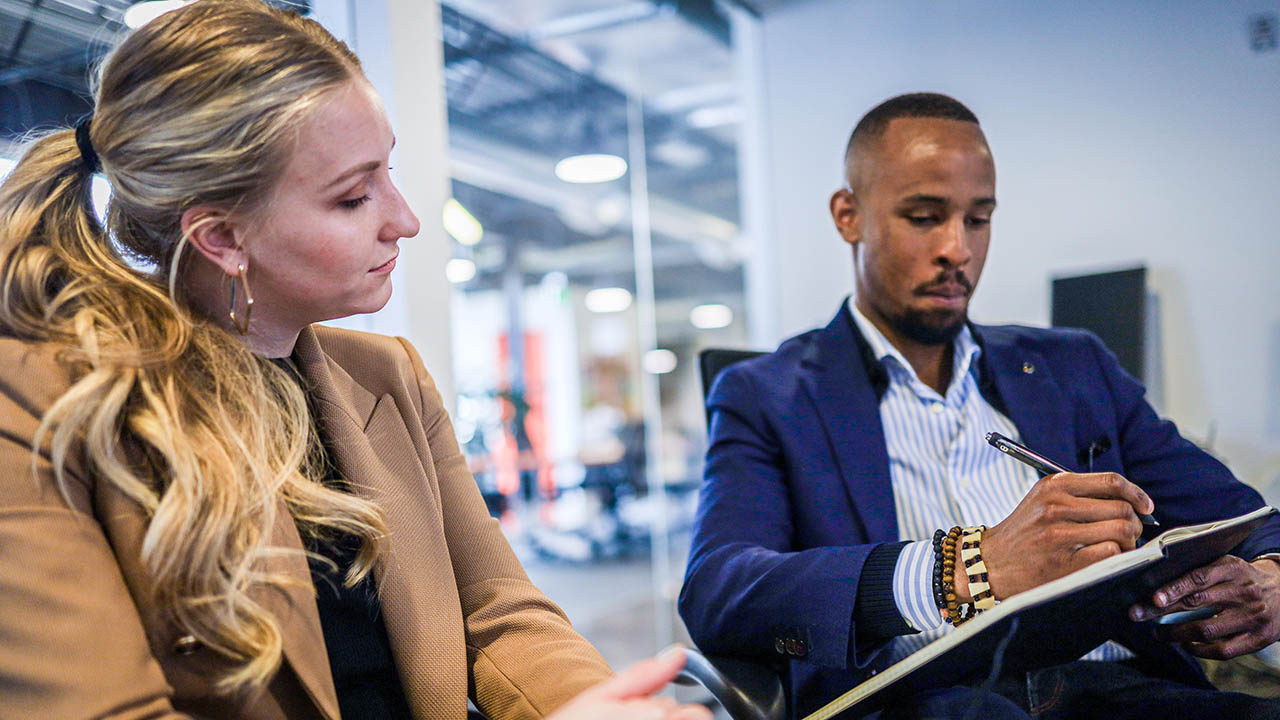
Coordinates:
364 670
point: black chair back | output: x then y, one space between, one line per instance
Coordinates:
711 361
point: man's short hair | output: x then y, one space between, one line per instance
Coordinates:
912 105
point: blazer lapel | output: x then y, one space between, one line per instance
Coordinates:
1031 397
295 609
838 382
374 450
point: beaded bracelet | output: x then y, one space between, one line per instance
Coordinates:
939 599
952 612
976 569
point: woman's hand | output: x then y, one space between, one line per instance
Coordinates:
629 695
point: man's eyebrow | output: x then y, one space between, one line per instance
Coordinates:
357 170
923 199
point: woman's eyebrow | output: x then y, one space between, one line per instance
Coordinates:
357 170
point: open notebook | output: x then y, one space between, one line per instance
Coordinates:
1056 622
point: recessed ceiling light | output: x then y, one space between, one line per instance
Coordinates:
715 116
659 361
592 168
141 13
459 270
710 317
608 300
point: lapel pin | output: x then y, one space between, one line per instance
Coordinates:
1028 368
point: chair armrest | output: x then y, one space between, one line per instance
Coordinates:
746 690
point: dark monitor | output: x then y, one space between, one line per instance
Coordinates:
1112 305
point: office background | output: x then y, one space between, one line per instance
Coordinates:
1126 133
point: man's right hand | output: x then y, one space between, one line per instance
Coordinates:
1066 522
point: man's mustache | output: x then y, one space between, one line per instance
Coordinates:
944 278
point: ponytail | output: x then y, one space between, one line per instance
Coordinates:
182 118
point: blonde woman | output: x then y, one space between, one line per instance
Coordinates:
210 506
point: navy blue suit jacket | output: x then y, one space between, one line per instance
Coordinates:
797 494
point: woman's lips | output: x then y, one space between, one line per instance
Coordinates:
387 266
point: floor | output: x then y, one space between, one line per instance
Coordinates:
612 603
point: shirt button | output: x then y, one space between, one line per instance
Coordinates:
936 408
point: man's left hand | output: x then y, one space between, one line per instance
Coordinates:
1245 594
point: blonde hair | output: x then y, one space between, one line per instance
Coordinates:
201 107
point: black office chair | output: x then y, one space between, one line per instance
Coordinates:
746 690
711 361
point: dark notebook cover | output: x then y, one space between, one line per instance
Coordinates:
1057 622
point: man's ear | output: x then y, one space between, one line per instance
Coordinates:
212 232
845 215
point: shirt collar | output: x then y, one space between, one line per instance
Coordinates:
963 361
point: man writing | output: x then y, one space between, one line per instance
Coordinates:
836 459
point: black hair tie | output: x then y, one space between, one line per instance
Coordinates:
87 154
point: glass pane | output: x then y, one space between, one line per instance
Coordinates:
580 408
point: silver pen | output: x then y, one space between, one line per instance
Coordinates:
1042 464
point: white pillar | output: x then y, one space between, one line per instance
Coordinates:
398 42
762 294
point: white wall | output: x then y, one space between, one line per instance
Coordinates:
1124 132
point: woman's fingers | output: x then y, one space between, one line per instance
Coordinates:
642 679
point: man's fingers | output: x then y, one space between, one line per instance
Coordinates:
1091 554
1107 486
1227 648
1196 581
1089 510
1221 626
1124 532
641 679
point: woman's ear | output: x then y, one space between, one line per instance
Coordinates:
845 215
214 234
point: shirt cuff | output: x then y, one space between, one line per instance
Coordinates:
913 586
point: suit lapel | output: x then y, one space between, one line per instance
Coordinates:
372 447
296 611
1031 397
837 380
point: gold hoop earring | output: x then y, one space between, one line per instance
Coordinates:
241 327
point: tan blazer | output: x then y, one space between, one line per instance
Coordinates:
79 636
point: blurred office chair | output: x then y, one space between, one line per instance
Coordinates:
713 360
746 690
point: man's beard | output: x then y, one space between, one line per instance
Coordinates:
935 327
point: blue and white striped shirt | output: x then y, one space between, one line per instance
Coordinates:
943 473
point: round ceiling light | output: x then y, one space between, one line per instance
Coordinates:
592 168
710 317
608 300
141 13
659 361
459 270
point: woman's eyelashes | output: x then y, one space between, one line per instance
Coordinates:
354 203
